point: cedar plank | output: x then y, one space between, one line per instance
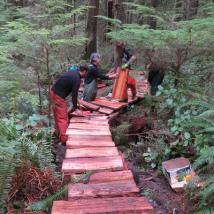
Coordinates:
109 104
82 144
106 110
89 138
87 132
80 165
110 189
88 126
120 84
88 105
101 177
117 205
91 152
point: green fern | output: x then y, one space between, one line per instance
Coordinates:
46 204
205 211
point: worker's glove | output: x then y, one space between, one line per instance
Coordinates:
125 66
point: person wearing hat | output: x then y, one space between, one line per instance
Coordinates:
67 83
90 83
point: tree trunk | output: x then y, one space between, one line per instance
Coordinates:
49 83
152 22
91 28
119 11
190 8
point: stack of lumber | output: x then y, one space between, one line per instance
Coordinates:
110 106
110 188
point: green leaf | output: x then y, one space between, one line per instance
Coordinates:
187 135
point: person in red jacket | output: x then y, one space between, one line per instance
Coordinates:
67 83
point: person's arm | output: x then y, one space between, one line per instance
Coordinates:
132 57
98 74
75 90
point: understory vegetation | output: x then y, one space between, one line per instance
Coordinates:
40 38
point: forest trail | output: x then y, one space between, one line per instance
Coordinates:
107 185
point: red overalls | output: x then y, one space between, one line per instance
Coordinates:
59 106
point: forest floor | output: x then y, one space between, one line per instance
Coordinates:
151 182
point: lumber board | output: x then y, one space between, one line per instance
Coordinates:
105 110
88 126
110 189
94 122
115 105
87 132
89 141
88 152
89 118
88 105
117 205
80 165
82 144
120 84
102 177
90 138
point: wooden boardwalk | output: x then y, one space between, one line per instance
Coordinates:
110 187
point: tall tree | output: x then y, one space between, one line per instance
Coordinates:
91 28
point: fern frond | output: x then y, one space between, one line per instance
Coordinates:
206 157
207 114
113 21
205 211
46 203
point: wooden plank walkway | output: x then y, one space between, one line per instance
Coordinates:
110 187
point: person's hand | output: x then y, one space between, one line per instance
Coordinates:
111 71
125 66
113 76
77 112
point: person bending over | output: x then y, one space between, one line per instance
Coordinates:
67 83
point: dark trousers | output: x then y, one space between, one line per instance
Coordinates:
155 78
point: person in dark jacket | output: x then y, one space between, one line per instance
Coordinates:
90 84
67 83
155 76
125 56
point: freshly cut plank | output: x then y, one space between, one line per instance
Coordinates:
111 189
115 105
80 165
105 110
87 132
88 126
82 144
89 119
102 177
89 138
120 84
93 122
117 205
88 152
88 105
